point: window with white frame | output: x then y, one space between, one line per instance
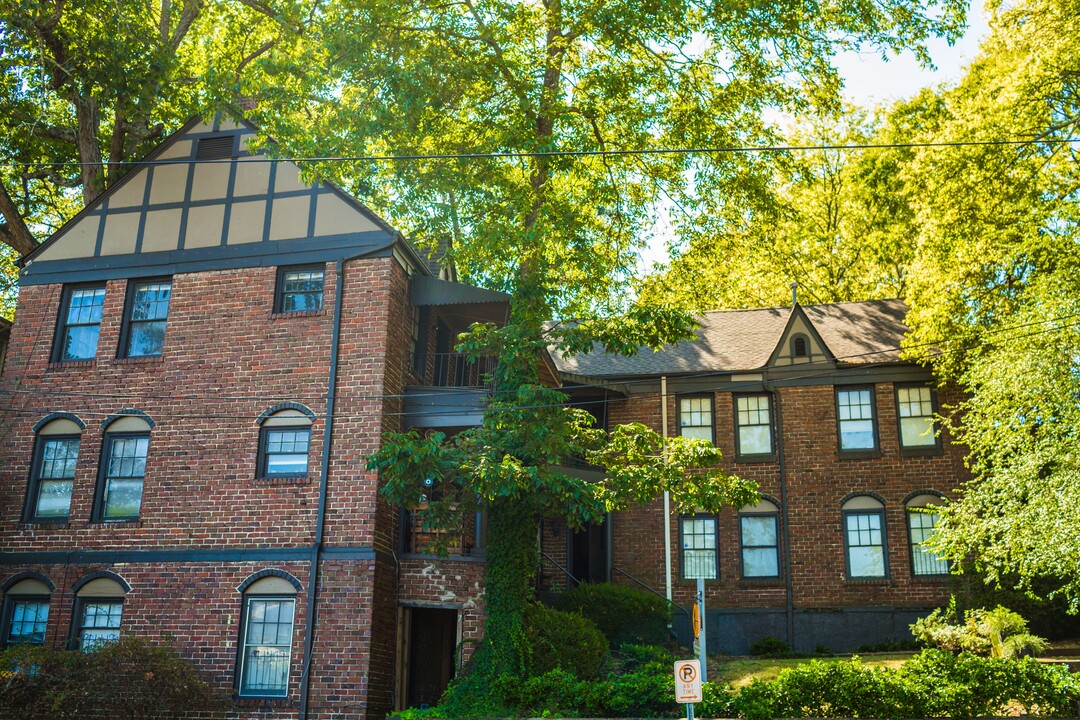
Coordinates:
699 547
864 538
759 540
922 518
753 426
915 413
696 417
855 419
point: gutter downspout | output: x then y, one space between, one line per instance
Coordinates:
320 518
667 495
788 591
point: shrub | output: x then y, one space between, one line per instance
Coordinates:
562 640
770 647
999 633
131 677
632 657
623 614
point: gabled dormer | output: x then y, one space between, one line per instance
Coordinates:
206 200
800 344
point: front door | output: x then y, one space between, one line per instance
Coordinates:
588 553
432 650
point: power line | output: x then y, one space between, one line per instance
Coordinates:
823 369
523 154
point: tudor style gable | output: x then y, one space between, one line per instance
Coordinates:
800 343
203 200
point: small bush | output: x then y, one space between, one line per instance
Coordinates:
563 640
131 677
998 633
770 647
623 614
632 657
823 649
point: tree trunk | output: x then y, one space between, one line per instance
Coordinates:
512 556
14 231
93 172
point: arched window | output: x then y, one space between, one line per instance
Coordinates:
266 634
26 609
759 540
922 518
123 466
99 608
800 346
284 441
52 472
864 537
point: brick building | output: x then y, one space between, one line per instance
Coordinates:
201 363
203 359
816 405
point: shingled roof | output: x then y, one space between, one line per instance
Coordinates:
855 333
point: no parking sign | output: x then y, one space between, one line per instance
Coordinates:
687 681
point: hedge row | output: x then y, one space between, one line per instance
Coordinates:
934 683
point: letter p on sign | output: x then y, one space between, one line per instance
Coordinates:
688 681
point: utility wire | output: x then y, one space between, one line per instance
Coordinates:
521 154
823 369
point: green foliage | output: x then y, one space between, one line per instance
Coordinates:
932 684
563 640
623 614
770 647
997 633
131 677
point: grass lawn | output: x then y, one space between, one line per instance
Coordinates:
739 671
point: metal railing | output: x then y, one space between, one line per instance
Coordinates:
688 641
455 370
573 580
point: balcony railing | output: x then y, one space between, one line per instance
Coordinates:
455 370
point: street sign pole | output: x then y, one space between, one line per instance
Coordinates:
701 638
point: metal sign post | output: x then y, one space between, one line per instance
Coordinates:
688 684
701 637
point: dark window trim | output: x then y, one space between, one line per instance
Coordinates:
936 448
884 544
908 511
740 456
98 513
129 307
34 481
279 286
806 345
9 610
679 397
57 355
716 551
77 610
238 666
779 560
861 452
261 459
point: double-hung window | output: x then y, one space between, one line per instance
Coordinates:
915 414
285 452
696 417
299 289
759 540
266 646
80 323
145 317
699 547
122 474
51 478
753 427
864 538
855 420
922 518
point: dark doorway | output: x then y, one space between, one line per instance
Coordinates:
432 650
588 553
